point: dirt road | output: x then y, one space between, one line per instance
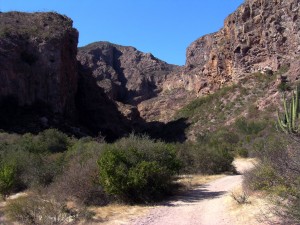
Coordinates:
204 205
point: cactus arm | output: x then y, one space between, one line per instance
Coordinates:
290 117
286 111
293 113
297 100
290 121
281 123
296 110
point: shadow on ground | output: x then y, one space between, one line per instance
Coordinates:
193 196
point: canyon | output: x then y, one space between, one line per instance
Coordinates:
112 90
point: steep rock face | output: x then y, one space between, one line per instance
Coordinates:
126 74
38 60
260 35
97 111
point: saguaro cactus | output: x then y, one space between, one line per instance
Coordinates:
290 122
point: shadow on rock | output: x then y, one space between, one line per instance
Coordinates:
173 131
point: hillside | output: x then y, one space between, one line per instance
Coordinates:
83 128
115 89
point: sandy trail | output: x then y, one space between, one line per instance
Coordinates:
204 205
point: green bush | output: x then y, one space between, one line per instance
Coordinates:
53 141
205 102
241 152
205 158
48 141
7 179
262 177
250 127
211 154
38 159
32 170
284 86
278 175
137 169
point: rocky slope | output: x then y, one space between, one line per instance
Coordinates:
126 74
260 36
38 60
114 89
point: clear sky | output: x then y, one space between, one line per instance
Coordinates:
163 27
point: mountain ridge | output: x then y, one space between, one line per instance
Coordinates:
114 89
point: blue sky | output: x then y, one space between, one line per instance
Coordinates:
163 27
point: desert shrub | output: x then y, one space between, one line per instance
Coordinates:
221 136
211 154
42 169
38 158
249 127
85 148
284 86
80 179
48 141
262 177
42 210
205 158
10 156
28 142
7 179
241 151
194 107
80 183
137 169
53 141
240 197
32 170
278 175
283 69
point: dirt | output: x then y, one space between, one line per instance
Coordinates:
204 205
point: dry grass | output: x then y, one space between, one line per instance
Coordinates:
255 212
117 214
3 219
190 181
244 164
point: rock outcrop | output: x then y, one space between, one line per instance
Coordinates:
261 35
126 74
38 60
114 89
96 111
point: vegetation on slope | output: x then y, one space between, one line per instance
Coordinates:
234 114
56 169
278 172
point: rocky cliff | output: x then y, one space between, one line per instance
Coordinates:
114 89
38 60
128 77
126 74
260 36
